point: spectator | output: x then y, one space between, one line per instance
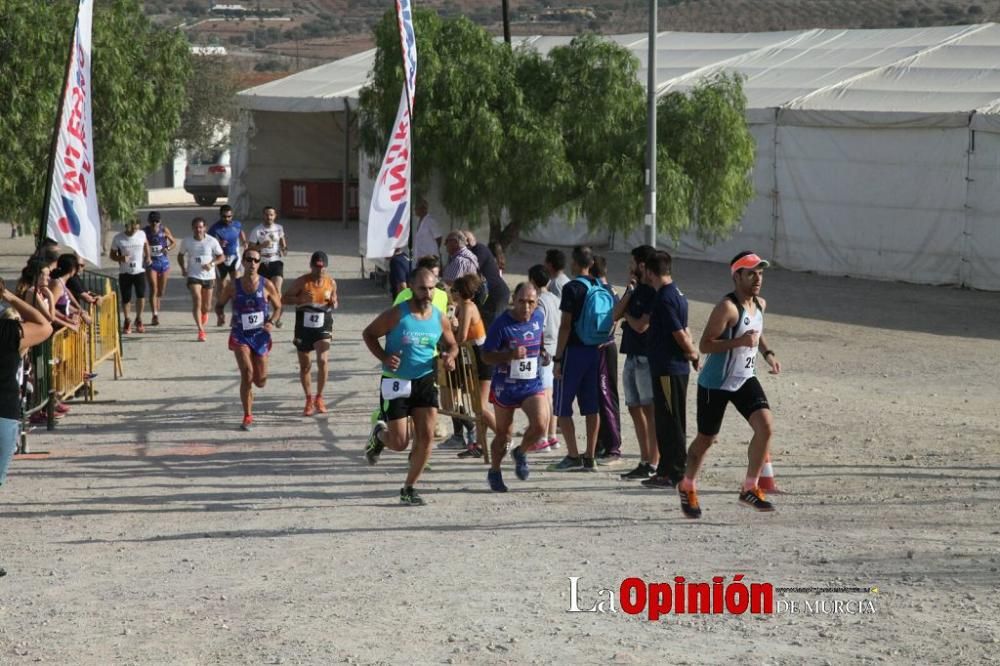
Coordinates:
555 262
548 304
461 261
609 437
426 233
399 271
498 298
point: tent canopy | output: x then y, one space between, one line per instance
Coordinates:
943 70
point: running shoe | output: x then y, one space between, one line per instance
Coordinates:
128 326
309 409
755 499
589 465
455 442
139 328
204 318
566 464
520 464
247 424
659 482
689 503
642 471
155 321
540 445
320 405
471 452
409 496
609 459
202 336
374 448
553 443
495 479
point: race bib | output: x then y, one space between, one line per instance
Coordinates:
393 387
524 368
252 320
744 366
156 250
313 319
133 265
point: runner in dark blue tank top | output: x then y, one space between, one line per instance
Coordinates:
161 241
256 303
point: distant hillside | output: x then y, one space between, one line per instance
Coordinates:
292 34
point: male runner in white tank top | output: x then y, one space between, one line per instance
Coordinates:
733 336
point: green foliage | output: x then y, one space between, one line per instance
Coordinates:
532 135
138 73
211 94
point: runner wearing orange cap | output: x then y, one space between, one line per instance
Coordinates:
733 336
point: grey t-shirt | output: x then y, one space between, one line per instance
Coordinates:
549 305
557 283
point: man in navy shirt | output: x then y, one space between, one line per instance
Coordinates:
635 307
670 359
399 271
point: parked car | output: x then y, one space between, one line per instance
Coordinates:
207 176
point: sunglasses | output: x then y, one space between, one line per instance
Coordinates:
255 260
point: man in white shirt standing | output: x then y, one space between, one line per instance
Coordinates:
131 251
198 258
426 234
269 240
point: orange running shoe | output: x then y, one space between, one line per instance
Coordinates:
308 410
202 336
755 499
320 405
689 503
247 423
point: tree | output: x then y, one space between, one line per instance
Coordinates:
512 131
211 94
139 73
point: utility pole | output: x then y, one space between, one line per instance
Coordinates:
506 21
651 129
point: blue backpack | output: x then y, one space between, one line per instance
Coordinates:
596 319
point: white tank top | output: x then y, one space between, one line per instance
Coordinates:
730 370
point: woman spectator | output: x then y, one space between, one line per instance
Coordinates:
33 288
471 329
63 297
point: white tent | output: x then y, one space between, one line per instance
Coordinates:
878 150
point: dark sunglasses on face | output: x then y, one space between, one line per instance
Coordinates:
255 260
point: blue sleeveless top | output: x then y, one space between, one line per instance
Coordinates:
415 341
249 309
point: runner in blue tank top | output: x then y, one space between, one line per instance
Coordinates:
732 338
161 241
412 332
229 232
514 347
256 303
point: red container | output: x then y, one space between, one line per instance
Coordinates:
318 199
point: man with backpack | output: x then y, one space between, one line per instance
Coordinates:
587 318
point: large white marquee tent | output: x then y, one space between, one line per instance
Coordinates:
878 150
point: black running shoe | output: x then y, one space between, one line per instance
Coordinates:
588 465
642 471
471 452
495 479
689 503
662 482
755 499
374 448
409 496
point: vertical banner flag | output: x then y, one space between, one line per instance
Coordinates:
73 217
389 214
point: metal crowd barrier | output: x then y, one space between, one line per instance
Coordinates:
64 364
460 396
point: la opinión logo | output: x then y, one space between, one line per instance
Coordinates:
635 596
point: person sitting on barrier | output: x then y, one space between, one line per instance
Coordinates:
161 241
256 304
21 327
408 384
65 301
514 346
470 328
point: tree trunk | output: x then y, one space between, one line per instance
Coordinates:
510 234
496 226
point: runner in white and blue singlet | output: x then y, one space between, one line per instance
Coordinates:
514 346
732 338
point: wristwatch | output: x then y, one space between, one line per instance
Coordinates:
769 352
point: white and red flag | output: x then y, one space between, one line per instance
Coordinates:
73 217
389 214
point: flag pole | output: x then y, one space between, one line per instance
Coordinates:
43 224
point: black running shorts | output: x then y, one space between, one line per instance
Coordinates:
129 282
272 269
423 394
712 404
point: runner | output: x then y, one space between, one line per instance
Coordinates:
514 346
315 295
131 251
161 241
250 339
408 386
229 233
269 239
198 258
733 336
